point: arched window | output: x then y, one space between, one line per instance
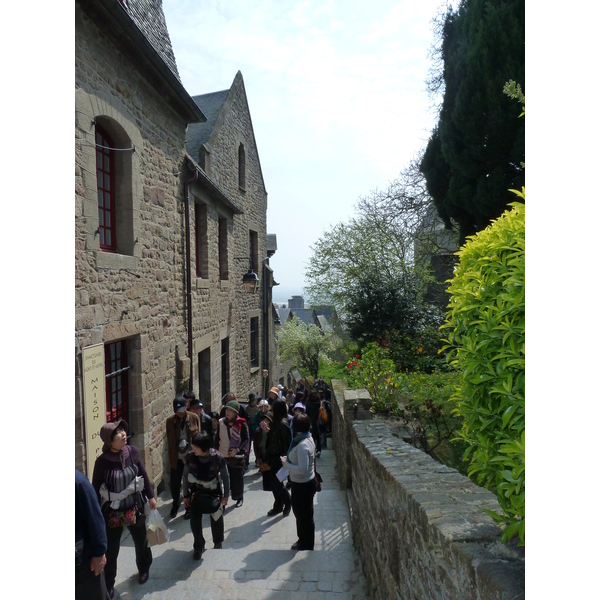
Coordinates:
114 182
105 174
242 167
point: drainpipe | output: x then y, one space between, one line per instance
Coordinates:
188 269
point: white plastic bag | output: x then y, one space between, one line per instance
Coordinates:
156 529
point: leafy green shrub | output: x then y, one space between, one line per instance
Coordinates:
486 339
427 412
376 372
331 370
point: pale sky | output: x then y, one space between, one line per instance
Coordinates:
337 95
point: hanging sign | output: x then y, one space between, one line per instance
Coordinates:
93 402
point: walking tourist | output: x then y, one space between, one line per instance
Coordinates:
300 462
313 405
278 438
232 439
181 426
123 488
205 490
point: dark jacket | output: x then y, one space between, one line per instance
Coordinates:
90 527
279 439
191 428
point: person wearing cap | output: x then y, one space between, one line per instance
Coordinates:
123 488
232 440
182 425
197 407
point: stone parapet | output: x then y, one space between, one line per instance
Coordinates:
420 527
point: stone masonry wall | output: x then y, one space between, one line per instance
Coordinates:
137 297
234 126
419 526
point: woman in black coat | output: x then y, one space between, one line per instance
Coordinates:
279 438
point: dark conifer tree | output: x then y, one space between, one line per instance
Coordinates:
475 153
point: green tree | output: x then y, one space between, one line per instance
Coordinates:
303 345
486 338
475 152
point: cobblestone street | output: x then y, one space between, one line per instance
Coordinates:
256 562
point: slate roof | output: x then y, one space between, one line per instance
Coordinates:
327 310
199 133
284 314
306 315
148 15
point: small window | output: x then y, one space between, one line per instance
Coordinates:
201 239
116 381
242 167
254 251
223 263
224 366
204 378
254 342
105 174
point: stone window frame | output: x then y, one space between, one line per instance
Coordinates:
89 110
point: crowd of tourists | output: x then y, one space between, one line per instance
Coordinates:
208 455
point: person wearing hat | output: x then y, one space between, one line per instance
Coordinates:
252 406
232 440
273 394
123 488
227 398
182 425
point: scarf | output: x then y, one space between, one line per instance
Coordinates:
297 439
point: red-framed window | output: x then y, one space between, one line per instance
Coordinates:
105 175
116 381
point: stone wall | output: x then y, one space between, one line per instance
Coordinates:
420 527
137 294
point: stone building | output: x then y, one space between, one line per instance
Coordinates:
240 327
163 237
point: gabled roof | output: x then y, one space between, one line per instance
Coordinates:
210 105
284 314
327 310
216 106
